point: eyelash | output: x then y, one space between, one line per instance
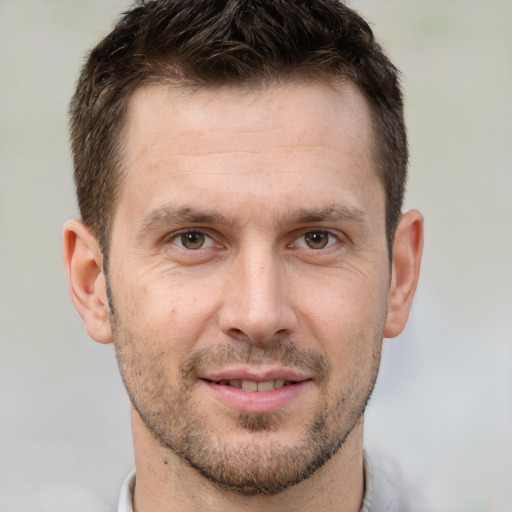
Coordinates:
180 236
331 240
177 239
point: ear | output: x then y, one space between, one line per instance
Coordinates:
407 251
84 267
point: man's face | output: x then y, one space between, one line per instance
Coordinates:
249 276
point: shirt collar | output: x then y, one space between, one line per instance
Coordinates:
126 497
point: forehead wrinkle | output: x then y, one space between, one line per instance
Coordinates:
168 215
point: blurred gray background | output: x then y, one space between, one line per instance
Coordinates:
443 404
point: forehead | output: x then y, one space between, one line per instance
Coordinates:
319 111
228 142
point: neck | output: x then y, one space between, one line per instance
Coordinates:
166 483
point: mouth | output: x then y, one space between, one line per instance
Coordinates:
254 385
247 392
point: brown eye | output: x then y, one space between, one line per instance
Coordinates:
317 239
192 240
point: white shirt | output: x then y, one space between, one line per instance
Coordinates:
383 489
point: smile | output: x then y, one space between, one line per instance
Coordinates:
253 395
252 385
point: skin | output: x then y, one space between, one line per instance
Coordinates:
285 268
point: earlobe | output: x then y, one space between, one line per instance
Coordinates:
84 268
407 251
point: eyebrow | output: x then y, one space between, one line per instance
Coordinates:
331 213
168 215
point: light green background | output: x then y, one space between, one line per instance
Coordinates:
443 404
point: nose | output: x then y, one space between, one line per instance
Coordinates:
256 305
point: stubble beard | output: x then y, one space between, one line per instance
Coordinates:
270 464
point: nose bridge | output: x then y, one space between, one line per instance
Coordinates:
257 305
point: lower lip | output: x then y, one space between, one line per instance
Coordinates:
258 401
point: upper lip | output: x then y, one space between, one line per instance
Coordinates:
255 374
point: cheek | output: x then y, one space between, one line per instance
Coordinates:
170 313
347 318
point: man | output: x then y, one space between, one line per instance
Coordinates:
240 170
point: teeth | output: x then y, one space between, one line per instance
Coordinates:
252 385
249 385
266 386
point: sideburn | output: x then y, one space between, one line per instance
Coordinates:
107 288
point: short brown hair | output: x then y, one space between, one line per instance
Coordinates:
209 43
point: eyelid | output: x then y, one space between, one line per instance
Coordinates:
336 236
171 238
212 241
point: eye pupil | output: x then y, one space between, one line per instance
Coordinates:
316 239
192 240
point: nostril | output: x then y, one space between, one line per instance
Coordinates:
237 333
241 320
